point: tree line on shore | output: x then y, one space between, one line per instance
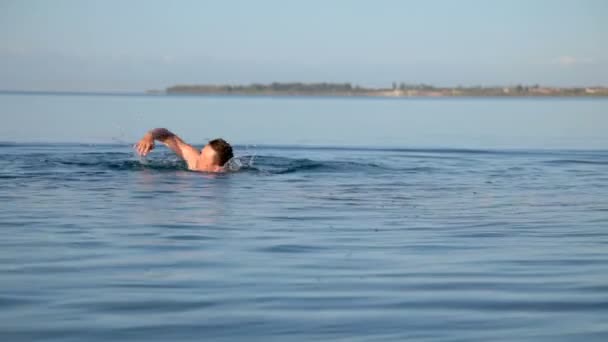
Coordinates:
397 89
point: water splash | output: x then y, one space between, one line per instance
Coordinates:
234 164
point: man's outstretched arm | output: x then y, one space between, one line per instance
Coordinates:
175 143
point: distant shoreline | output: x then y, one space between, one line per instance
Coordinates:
377 95
401 91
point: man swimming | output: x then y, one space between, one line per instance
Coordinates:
211 158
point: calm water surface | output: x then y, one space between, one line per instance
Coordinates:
555 123
303 243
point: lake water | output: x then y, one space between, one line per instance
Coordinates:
430 123
352 220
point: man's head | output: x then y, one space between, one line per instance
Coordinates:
217 150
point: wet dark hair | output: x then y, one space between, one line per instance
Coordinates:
223 150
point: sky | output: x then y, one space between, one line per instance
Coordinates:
110 45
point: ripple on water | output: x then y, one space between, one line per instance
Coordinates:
306 244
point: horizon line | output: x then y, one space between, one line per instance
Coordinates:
150 91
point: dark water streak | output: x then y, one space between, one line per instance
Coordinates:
303 244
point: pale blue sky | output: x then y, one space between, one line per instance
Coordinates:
138 45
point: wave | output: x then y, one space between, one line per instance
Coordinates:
263 164
576 161
285 165
117 161
131 165
271 160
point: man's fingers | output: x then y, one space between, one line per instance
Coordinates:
143 148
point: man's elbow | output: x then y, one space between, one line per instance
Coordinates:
162 134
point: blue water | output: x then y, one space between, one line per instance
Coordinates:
303 243
555 123
306 244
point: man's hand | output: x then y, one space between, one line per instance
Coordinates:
145 145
